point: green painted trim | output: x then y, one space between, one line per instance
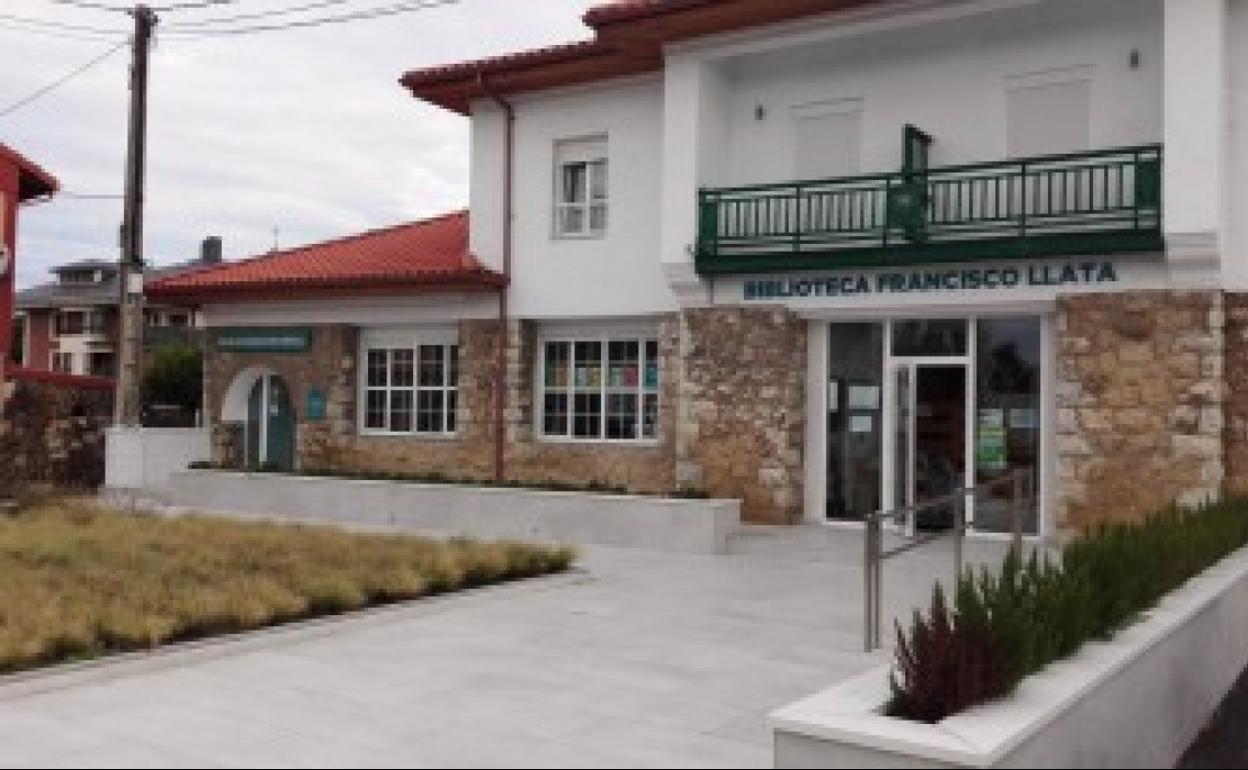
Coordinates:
1089 244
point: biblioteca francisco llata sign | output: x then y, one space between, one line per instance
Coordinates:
930 280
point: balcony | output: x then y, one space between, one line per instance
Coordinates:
1088 203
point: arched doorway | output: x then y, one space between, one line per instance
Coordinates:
259 399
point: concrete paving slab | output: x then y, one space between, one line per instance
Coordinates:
648 659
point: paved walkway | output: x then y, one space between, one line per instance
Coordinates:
643 660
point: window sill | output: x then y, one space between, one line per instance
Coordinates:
409 435
623 443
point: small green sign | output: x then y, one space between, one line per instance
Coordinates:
316 404
264 340
990 448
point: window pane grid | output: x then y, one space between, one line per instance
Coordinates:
600 389
411 389
581 182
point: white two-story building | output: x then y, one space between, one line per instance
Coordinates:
827 256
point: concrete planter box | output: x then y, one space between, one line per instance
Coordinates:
1138 700
145 458
697 526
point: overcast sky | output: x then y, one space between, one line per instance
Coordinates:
304 130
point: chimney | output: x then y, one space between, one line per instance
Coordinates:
210 251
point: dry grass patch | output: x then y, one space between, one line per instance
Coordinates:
78 581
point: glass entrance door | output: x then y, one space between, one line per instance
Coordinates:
930 446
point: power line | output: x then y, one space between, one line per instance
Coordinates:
190 6
258 15
92 6
77 196
80 37
15 106
60 25
372 13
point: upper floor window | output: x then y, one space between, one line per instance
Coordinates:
63 362
581 188
71 322
1049 112
826 139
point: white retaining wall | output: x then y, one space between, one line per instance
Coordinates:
1138 700
145 458
698 526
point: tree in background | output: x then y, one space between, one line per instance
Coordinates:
174 377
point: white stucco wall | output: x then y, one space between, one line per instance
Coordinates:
951 79
1235 245
615 275
373 311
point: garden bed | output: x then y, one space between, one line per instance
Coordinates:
1114 658
78 581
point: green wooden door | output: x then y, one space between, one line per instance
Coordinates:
281 427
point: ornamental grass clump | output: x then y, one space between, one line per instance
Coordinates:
1004 626
77 581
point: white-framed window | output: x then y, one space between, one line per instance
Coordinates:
410 388
581 188
600 388
63 362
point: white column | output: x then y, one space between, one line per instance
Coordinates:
816 472
1195 129
693 151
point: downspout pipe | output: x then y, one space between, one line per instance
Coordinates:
500 380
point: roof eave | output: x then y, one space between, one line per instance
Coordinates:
485 282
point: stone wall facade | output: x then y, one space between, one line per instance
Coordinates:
334 444
1235 307
1140 398
742 401
52 433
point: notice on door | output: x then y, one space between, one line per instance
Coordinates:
990 449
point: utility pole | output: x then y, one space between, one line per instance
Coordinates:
128 406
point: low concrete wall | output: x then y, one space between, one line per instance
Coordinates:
146 458
697 526
1138 700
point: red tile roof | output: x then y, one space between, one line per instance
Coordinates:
33 181
429 255
629 40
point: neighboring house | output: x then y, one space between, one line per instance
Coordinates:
71 324
827 257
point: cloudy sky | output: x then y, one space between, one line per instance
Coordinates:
306 131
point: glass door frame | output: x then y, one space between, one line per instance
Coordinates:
890 427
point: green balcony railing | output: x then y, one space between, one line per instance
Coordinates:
1099 202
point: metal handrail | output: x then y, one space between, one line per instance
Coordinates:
1021 483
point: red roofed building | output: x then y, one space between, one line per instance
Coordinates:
348 348
825 256
20 181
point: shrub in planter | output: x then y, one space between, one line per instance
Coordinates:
1006 626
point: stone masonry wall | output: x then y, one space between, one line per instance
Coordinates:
1140 396
1236 365
468 454
644 467
52 434
334 444
743 408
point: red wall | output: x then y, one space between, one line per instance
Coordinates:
38 339
8 185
